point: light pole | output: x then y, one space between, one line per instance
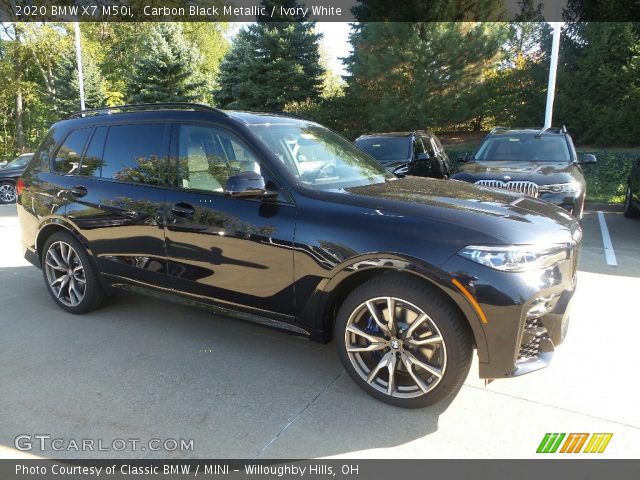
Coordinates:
76 28
553 68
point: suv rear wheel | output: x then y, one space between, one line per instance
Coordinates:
70 277
402 342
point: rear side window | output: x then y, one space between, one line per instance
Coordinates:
132 153
44 153
92 161
67 160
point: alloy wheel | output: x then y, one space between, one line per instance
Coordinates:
7 193
65 273
395 347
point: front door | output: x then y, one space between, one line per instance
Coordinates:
235 252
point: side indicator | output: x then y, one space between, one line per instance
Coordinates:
474 303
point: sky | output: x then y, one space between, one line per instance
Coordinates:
335 41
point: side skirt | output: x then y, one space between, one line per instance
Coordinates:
168 294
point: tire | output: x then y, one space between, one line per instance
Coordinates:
422 374
7 192
630 211
63 256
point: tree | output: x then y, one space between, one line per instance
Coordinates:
67 84
418 75
271 64
598 91
167 69
429 11
517 87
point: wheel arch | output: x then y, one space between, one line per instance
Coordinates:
333 291
52 226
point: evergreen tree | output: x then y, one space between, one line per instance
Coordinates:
598 87
418 75
167 69
271 64
67 83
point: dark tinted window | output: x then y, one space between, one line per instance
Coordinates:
19 162
418 147
525 147
92 161
67 160
386 149
45 151
136 153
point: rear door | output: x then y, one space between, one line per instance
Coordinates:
117 198
237 252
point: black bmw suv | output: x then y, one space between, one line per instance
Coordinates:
211 207
540 163
416 153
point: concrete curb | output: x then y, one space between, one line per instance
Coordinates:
604 207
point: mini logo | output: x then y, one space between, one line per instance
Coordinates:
506 178
597 442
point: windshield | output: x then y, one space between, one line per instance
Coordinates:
19 162
528 148
319 158
386 149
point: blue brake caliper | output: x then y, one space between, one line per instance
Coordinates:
373 328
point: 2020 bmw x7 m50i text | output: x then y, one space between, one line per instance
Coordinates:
407 275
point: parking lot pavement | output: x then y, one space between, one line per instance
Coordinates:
146 369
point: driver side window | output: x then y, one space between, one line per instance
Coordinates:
208 156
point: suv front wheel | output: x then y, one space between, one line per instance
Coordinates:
7 192
70 277
403 342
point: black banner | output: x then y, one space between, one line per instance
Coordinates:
318 10
319 469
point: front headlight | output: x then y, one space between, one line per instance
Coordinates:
571 187
515 258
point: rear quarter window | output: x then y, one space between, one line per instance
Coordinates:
67 158
44 153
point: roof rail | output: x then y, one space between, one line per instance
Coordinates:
145 106
285 114
494 129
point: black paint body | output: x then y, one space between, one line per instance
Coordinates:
289 261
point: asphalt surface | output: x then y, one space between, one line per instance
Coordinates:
143 369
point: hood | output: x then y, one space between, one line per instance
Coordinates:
507 217
541 173
11 172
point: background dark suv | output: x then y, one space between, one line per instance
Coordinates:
416 153
9 174
632 195
540 163
215 208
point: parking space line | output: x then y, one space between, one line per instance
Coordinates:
609 254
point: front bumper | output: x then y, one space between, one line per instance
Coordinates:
570 202
527 313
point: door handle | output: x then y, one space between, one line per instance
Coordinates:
78 191
183 209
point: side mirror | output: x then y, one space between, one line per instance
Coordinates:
248 185
464 158
421 157
588 158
